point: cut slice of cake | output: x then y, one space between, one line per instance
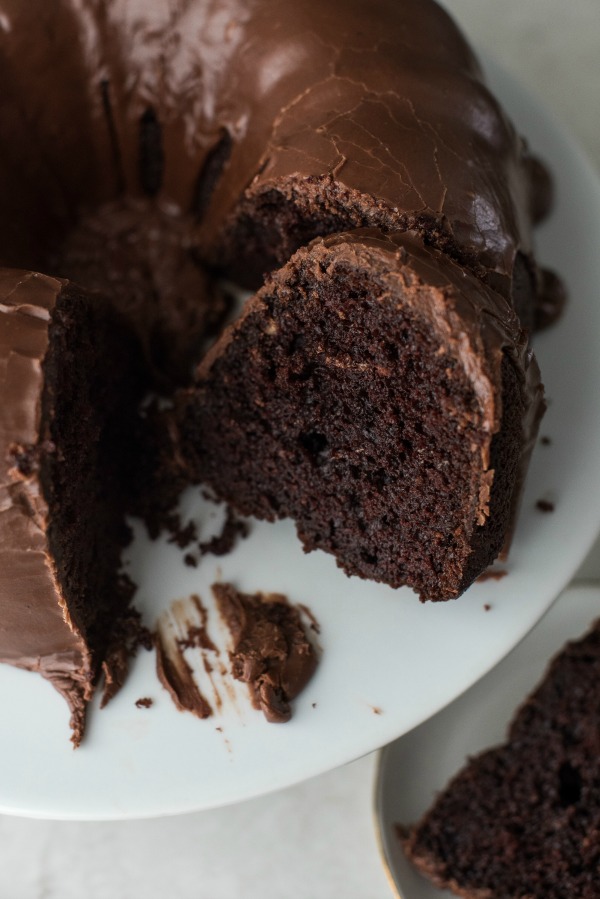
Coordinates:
382 397
71 378
522 821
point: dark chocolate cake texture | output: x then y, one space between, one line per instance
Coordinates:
66 442
149 147
372 413
522 820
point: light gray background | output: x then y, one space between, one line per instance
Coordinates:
314 841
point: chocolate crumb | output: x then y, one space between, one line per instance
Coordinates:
544 506
183 536
144 703
224 542
219 545
487 607
545 441
129 635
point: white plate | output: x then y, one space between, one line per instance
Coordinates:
413 769
389 663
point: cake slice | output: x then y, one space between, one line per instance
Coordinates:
71 378
523 819
382 397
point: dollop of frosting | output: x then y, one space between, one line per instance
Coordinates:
270 650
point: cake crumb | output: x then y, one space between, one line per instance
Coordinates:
186 537
183 536
144 703
233 528
128 636
314 705
545 441
376 710
487 607
544 505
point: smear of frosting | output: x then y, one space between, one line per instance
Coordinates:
175 633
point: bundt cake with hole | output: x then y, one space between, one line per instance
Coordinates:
234 132
148 148
522 820
67 435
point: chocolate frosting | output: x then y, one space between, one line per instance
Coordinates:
188 618
36 631
270 651
177 678
203 107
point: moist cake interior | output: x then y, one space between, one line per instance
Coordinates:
334 403
86 462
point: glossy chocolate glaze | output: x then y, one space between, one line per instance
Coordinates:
208 106
36 631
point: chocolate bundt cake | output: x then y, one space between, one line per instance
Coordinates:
382 397
522 820
149 147
67 434
235 132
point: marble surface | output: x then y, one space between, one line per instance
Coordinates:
316 840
